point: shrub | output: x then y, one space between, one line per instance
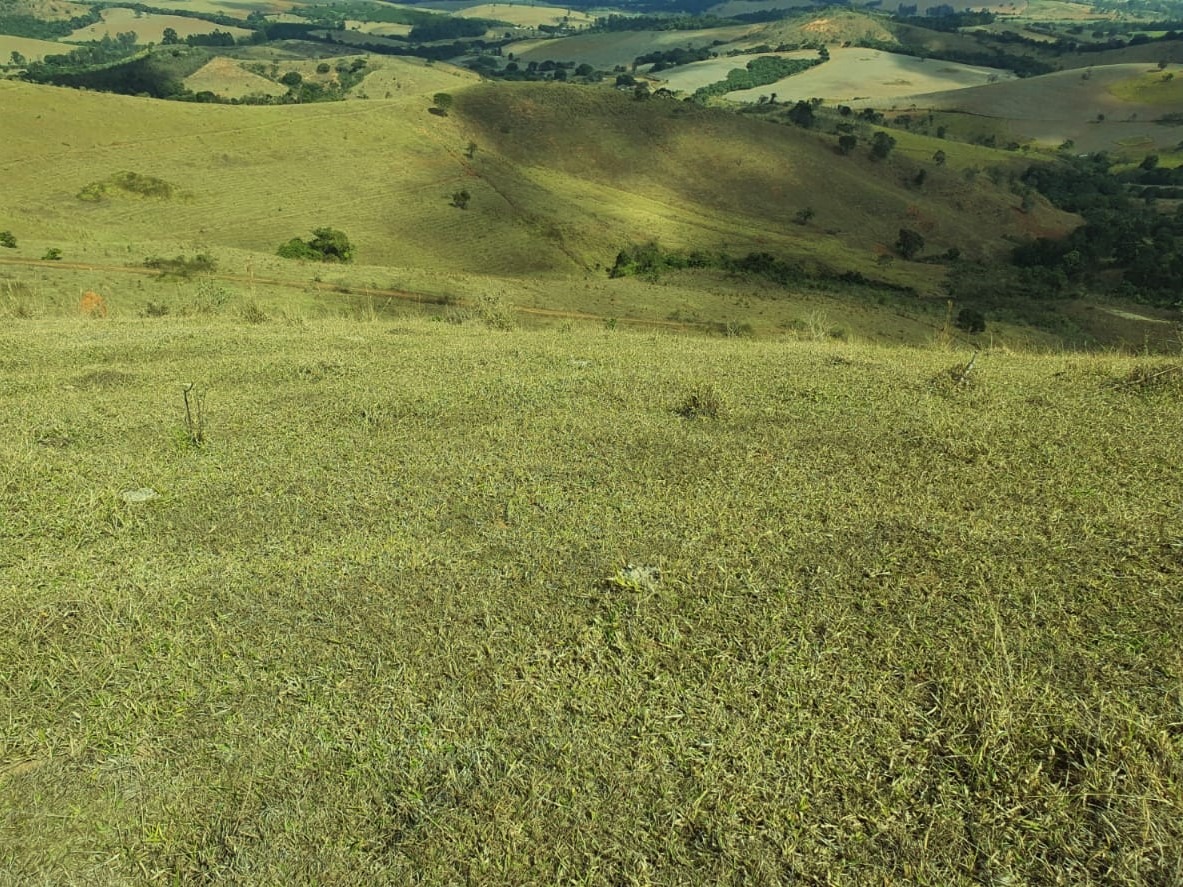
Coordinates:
53 254
7 239
971 320
326 245
909 243
460 199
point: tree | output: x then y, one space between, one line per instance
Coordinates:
460 199
881 145
847 143
909 243
170 37
939 158
7 239
443 101
18 59
1150 161
291 78
470 151
804 215
801 114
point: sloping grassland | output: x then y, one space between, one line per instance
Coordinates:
884 622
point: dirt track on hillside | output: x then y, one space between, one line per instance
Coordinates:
419 298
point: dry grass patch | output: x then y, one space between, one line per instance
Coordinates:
148 26
226 77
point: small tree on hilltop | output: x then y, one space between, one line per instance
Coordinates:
443 103
909 243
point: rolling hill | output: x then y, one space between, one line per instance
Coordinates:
1098 108
561 179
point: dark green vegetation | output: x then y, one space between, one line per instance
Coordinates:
326 245
758 72
116 65
20 23
438 603
1120 234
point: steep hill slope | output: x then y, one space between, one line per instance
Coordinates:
704 178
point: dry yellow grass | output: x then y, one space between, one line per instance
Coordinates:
148 26
870 74
226 77
527 16
33 50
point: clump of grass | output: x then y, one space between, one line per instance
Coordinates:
958 376
702 401
209 297
129 183
1154 376
182 266
252 313
494 312
16 300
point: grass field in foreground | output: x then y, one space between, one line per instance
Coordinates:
883 628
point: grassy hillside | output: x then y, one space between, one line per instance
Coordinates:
560 179
1098 109
701 178
879 626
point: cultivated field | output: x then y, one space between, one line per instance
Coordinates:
447 603
148 26
875 77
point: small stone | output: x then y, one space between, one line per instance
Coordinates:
141 495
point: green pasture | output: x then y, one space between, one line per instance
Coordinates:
396 600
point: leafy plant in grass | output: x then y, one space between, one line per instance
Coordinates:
702 401
326 245
7 239
53 254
